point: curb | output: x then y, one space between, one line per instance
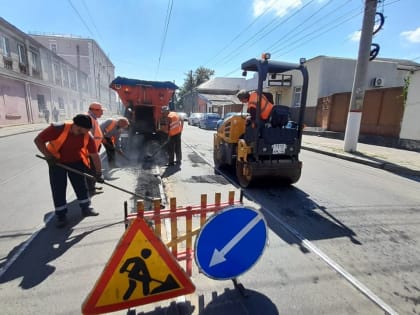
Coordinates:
400 170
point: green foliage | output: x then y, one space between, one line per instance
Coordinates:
192 80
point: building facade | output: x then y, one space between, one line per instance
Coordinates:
35 81
331 75
410 127
86 55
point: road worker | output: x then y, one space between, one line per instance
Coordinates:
70 144
251 99
174 129
111 130
95 112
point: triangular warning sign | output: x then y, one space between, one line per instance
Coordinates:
141 270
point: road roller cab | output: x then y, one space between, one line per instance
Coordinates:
263 149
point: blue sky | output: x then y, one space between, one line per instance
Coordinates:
164 39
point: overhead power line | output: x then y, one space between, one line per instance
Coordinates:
239 35
324 29
235 50
328 26
165 32
91 18
329 23
300 25
299 42
282 22
81 18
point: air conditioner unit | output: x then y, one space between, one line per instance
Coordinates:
378 82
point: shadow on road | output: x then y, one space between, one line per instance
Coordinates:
32 265
292 212
232 302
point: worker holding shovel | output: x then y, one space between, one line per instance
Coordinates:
175 126
69 144
111 129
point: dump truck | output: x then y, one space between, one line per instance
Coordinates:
261 151
143 101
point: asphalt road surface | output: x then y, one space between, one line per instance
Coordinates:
343 240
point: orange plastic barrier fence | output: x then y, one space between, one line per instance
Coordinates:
176 216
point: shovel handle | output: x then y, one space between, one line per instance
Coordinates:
94 178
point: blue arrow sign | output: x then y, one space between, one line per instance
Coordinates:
230 242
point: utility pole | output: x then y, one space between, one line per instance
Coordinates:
358 92
191 92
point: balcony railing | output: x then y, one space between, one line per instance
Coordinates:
23 68
36 73
8 62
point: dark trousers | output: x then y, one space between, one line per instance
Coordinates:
174 148
110 151
91 171
58 182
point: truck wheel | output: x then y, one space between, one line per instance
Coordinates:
243 174
216 160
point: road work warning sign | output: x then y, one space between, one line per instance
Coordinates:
140 271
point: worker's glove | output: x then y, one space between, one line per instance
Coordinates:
51 160
99 178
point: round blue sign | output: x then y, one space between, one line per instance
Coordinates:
230 242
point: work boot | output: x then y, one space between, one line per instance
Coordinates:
94 192
89 212
61 221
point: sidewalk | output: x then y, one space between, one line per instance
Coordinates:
6 131
398 161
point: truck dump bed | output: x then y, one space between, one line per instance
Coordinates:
140 92
143 102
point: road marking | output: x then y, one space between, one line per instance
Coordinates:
356 283
22 248
340 270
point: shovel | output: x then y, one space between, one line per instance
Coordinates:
121 153
93 178
151 155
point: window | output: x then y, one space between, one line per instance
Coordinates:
57 74
297 94
41 103
53 47
82 105
65 77
72 75
4 45
278 98
22 54
61 103
35 64
83 83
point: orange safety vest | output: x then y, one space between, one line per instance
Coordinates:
175 124
109 128
266 106
97 132
54 146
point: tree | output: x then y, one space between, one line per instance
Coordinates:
192 80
